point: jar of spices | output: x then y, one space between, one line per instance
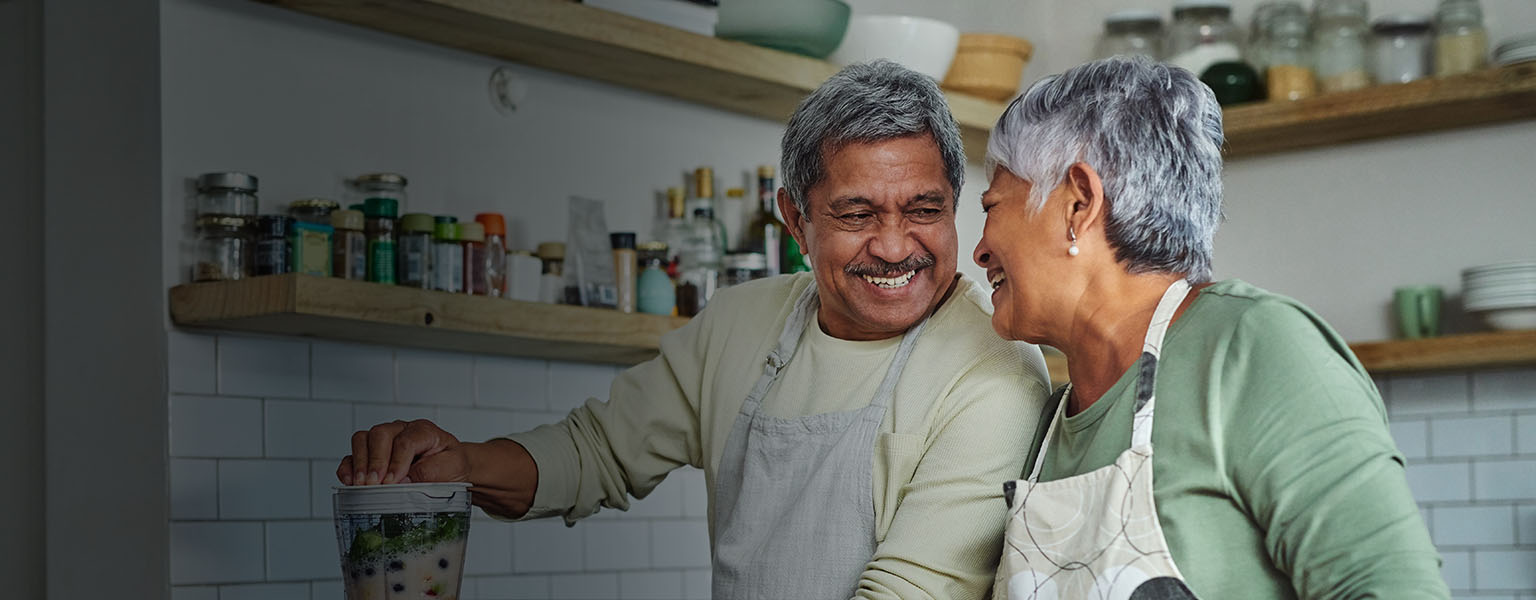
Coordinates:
415 251
1202 35
313 210
349 246
379 226
552 282
472 240
230 194
447 255
1258 33
1131 32
1401 48
381 185
1339 40
743 267
1290 75
496 252
271 256
1461 42
654 291
222 249
310 247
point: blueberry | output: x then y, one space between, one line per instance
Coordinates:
396 565
399 587
442 562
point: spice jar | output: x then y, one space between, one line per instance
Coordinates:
625 261
1290 74
1202 35
654 291
496 252
1131 32
349 246
472 240
230 194
270 237
414 246
1401 48
1339 42
222 248
310 248
744 267
447 255
379 226
381 185
552 281
1461 42
1258 33
312 210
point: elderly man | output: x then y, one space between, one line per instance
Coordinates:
854 424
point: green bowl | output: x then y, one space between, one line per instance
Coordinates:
812 28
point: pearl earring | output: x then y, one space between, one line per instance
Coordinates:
1072 251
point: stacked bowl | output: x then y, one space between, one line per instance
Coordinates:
1505 294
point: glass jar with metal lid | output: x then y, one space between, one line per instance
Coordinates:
1258 32
228 194
1202 35
381 185
1290 75
271 254
1402 48
1461 41
223 249
1131 32
1339 40
745 266
313 210
415 251
349 246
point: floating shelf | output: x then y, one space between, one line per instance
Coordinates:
1466 351
360 311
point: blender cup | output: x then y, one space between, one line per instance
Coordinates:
402 541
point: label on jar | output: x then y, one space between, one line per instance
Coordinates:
312 252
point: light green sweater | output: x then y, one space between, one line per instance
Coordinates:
960 424
1274 474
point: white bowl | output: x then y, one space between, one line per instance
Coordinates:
1511 319
923 45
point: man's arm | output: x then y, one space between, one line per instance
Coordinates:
946 536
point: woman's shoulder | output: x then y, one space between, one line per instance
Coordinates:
1265 330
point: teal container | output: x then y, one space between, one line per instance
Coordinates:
654 290
813 28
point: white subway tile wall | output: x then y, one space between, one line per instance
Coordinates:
259 424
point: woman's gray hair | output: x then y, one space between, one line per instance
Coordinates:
867 102
1153 133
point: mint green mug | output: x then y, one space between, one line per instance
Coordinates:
1418 310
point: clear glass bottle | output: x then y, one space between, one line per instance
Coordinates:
677 230
472 239
227 194
223 249
1202 35
766 234
1258 33
349 246
381 185
447 255
379 226
1131 32
271 254
1402 48
1461 41
496 253
703 250
1339 41
414 260
1290 75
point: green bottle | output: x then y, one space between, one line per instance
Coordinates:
794 260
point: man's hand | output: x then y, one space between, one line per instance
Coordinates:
403 452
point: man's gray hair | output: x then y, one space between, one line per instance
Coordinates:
862 103
1153 133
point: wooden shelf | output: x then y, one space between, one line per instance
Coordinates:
569 37
384 314
1467 351
1492 96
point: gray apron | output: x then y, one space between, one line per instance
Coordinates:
794 507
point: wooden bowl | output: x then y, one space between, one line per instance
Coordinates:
988 65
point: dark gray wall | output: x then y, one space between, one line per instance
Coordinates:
104 345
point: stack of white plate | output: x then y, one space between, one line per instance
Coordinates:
1505 294
1515 49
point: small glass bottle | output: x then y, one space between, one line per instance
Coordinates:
447 255
552 280
380 229
677 229
415 251
625 261
1461 41
349 246
381 185
472 240
1131 32
222 249
1258 33
703 250
496 252
270 235
1339 41
1202 35
1402 48
227 194
1290 75
654 290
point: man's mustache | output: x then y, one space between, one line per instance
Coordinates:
887 269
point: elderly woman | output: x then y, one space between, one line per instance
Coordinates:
1275 475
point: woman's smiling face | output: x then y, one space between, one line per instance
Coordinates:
1023 251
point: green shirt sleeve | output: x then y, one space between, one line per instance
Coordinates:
1310 457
